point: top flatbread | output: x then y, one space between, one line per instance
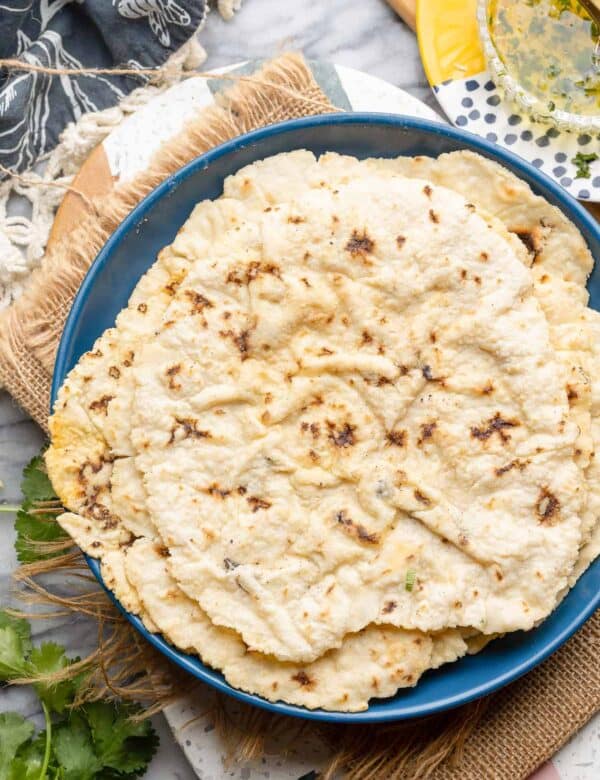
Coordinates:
92 468
387 416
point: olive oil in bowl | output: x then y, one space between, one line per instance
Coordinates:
545 55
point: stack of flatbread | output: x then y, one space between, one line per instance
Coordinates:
344 432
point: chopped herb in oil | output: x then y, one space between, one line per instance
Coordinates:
552 48
582 162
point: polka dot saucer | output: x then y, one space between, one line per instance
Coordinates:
454 63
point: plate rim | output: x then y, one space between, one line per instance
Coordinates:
193 664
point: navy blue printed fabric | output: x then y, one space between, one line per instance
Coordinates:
35 107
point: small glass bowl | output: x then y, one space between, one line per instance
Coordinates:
525 100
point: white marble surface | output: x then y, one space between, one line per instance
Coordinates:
363 34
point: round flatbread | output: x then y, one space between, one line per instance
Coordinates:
389 420
551 246
90 462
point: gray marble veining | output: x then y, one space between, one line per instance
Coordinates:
363 34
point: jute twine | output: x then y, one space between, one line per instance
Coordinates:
503 737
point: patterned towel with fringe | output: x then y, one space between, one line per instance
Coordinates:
34 107
57 121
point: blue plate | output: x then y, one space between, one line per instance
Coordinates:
153 224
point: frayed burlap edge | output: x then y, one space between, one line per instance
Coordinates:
30 329
503 737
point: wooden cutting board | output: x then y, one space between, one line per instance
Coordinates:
94 179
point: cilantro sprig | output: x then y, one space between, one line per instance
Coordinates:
96 741
35 522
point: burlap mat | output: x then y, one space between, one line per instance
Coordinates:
512 732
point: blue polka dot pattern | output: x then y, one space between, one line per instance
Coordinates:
471 85
510 138
466 102
543 141
494 100
537 163
583 140
559 171
527 135
560 157
461 121
514 119
490 118
474 114
584 194
492 137
566 181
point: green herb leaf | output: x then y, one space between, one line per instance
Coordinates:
48 658
29 760
14 732
20 626
19 659
98 741
36 528
582 162
24 769
32 524
35 484
409 581
74 750
15 646
119 742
